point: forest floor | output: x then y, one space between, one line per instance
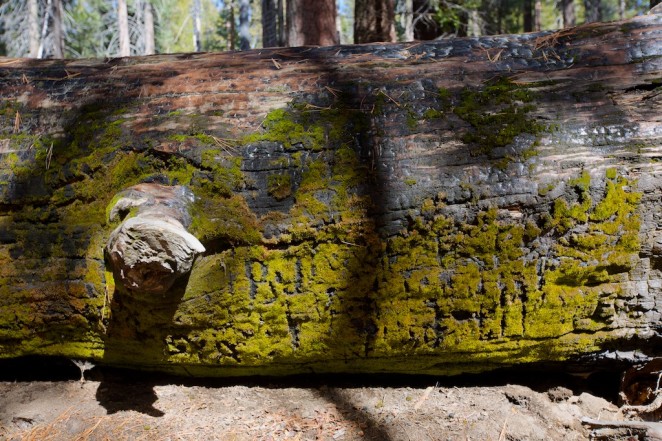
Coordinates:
131 406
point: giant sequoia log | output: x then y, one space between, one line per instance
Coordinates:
431 207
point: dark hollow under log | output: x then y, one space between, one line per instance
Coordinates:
438 207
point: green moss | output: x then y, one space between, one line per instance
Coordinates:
279 186
412 120
283 126
497 114
432 114
224 222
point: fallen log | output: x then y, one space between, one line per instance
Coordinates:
437 207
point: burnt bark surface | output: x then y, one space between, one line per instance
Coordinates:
438 206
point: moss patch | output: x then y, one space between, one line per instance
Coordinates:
279 186
497 114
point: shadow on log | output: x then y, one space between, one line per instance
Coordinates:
436 207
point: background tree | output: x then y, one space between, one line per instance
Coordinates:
123 29
374 20
592 11
33 27
567 12
244 24
197 11
149 29
270 24
311 23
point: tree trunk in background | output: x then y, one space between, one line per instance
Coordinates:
282 28
269 23
407 20
58 31
537 22
374 20
654 3
33 28
44 28
230 26
592 11
311 23
123 29
443 207
474 24
149 28
568 13
197 25
244 24
528 15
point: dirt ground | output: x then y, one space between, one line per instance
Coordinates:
126 407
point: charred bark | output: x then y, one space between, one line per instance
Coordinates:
437 207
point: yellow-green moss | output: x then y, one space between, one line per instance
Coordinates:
279 186
497 114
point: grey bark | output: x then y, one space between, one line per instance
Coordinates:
408 20
58 29
149 28
33 28
197 11
44 28
123 29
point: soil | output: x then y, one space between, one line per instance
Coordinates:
123 405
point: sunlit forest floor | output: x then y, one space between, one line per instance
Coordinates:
121 409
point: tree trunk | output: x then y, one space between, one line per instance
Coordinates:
231 26
123 29
474 27
33 28
197 26
408 20
528 15
374 20
58 32
568 13
444 207
269 23
44 29
311 23
537 23
282 29
592 11
149 28
244 23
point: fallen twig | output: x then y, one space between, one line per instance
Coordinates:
653 430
